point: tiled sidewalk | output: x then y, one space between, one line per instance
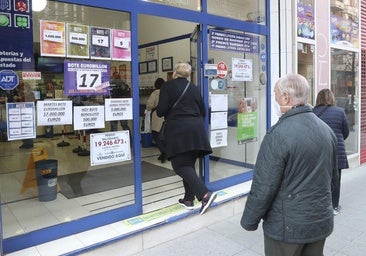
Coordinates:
227 238
218 231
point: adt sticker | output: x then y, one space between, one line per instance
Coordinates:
8 79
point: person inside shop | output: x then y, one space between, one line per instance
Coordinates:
119 89
246 105
7 96
156 122
293 173
25 95
336 118
186 139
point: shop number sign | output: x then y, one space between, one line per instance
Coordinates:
221 69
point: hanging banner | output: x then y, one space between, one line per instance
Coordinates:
86 78
17 35
52 38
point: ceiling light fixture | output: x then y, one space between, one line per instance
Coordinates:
38 5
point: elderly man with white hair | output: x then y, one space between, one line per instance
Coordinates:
291 188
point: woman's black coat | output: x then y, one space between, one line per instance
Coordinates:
185 130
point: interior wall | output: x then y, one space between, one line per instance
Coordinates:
152 28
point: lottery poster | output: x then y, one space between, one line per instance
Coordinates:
121 47
86 78
100 47
52 38
78 41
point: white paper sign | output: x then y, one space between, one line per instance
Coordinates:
100 40
52 112
78 38
88 117
219 102
118 109
218 138
218 120
21 120
110 147
123 43
242 69
53 36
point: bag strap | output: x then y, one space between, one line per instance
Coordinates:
180 97
176 102
322 112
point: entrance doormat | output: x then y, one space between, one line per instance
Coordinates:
95 181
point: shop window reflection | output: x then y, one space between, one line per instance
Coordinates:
305 66
248 10
344 84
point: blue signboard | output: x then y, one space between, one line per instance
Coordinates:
16 51
231 41
8 80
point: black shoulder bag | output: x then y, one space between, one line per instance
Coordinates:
161 136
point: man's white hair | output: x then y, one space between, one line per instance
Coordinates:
296 86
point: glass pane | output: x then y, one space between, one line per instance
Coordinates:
194 5
83 188
245 10
305 65
243 83
345 84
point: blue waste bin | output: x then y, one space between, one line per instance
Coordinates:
46 174
146 140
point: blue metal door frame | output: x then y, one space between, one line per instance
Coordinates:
136 7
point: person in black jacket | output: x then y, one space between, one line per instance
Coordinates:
336 118
295 166
185 133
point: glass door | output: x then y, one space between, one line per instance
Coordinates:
158 53
237 97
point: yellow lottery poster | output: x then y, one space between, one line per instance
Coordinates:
78 41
